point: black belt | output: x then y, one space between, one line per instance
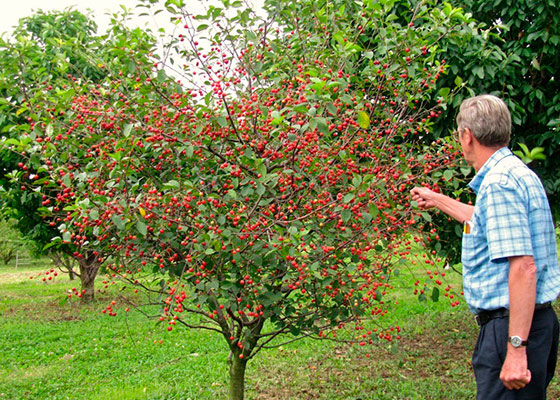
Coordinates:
484 316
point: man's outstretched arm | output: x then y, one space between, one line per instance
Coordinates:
427 198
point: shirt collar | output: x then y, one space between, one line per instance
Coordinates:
498 156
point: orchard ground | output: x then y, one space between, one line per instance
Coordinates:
53 348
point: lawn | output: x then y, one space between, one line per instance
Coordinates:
52 348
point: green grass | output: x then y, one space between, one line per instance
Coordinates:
53 349
56 349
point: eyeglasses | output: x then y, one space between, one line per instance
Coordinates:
456 134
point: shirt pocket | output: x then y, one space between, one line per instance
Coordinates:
474 247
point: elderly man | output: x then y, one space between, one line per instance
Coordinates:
509 256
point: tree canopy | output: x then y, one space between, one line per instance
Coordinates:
269 190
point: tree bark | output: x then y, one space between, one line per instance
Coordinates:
71 273
237 368
88 272
8 256
237 364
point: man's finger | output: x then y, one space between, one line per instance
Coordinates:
527 377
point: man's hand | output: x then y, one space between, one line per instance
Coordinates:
424 197
515 374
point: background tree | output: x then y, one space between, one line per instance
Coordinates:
50 58
515 57
10 242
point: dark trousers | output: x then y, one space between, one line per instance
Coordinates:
490 353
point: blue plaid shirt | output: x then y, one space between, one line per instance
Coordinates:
511 218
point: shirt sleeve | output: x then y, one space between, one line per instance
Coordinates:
507 222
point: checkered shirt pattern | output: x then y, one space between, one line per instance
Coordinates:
511 218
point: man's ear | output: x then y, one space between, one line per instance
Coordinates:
468 136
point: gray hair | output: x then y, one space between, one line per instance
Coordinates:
488 118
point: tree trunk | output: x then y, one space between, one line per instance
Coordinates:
88 272
7 257
239 356
71 273
237 368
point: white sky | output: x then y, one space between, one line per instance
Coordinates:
13 10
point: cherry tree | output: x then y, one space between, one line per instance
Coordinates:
268 189
50 58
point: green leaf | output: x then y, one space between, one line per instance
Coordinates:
339 37
261 169
426 216
172 184
346 215
84 204
260 189
435 294
535 63
322 125
12 141
277 118
142 228
524 148
127 129
373 210
465 170
536 152
189 151
444 92
301 108
447 8
479 71
131 66
363 119
117 220
222 121
448 174
66 180
161 76
251 36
